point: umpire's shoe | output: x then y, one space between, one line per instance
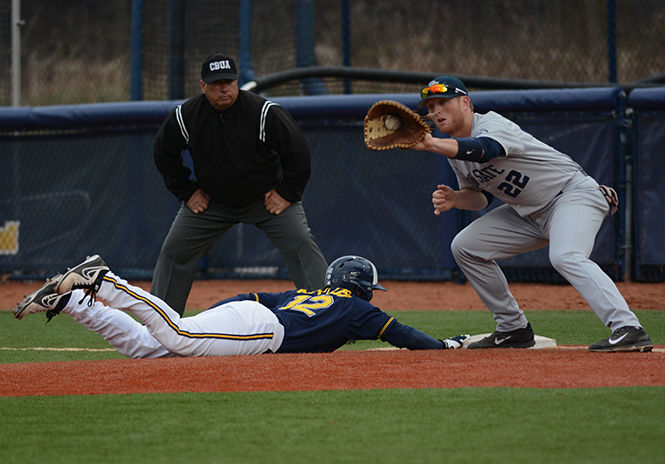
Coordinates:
43 299
625 339
88 275
520 338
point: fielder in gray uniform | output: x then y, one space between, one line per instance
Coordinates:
549 200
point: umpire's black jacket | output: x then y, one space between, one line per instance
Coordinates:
239 154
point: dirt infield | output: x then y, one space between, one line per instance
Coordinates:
572 367
343 370
400 295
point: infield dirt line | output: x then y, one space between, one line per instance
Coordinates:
43 348
342 370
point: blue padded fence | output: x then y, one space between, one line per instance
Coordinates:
648 188
76 180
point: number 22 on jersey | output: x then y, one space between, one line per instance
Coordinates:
515 182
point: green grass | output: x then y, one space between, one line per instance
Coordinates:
499 425
388 426
567 327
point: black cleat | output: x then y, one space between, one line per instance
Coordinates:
624 339
43 299
87 275
520 338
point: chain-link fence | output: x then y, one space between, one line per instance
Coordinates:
5 52
71 51
76 51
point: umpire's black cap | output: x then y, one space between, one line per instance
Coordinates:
217 67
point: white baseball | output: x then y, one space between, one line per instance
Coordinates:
392 122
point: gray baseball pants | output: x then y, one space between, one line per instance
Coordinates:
192 236
568 224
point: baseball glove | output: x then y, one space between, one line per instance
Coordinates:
611 197
390 124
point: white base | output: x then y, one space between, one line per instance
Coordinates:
541 342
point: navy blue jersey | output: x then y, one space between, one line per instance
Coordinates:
324 320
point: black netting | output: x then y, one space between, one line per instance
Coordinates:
5 53
76 51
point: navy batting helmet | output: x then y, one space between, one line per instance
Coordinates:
354 273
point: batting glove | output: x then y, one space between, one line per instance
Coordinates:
455 342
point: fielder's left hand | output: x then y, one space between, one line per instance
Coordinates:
443 199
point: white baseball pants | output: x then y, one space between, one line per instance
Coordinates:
236 328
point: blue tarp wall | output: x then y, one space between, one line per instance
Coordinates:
648 188
76 180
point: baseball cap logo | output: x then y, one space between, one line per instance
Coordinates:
217 65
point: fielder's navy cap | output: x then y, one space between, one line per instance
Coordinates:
443 87
217 67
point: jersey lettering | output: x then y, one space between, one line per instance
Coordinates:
491 168
341 292
472 180
515 183
479 176
487 173
309 304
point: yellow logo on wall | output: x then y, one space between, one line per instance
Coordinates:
9 238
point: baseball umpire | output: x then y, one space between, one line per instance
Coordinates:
256 323
549 200
251 165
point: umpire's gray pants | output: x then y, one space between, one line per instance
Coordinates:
192 236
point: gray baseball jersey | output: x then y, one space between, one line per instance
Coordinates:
565 210
527 178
